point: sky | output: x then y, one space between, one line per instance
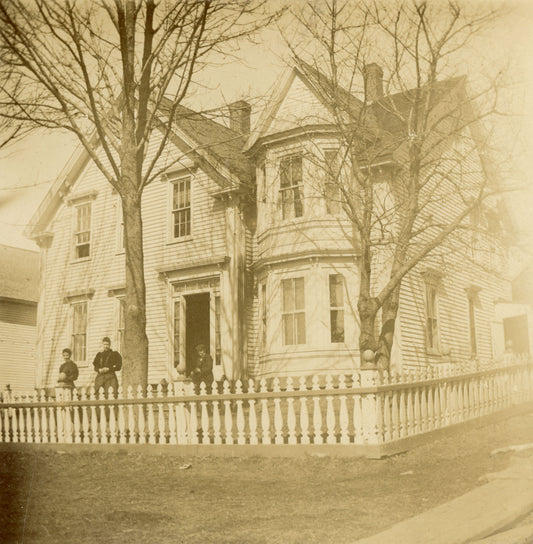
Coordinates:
28 168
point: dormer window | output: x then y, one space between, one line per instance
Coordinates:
291 187
181 207
82 231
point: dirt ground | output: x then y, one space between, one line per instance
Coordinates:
93 497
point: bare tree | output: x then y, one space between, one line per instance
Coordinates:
411 170
113 72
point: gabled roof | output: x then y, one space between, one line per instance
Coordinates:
218 146
19 274
388 116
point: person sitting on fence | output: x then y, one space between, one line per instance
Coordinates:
68 371
202 368
106 363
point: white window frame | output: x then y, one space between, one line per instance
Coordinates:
73 332
431 290
337 308
77 232
173 183
293 313
331 182
292 188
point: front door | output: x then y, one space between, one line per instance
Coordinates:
197 326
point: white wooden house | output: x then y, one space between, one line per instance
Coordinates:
268 282
19 293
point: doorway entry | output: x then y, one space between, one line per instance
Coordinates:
197 326
516 332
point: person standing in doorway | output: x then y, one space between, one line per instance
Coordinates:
203 368
106 363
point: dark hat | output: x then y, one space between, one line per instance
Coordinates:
106 339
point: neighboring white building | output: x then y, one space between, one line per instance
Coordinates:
242 253
19 294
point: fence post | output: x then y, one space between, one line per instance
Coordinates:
371 408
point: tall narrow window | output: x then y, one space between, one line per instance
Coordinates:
293 311
176 333
332 188
263 317
120 226
181 207
472 325
82 234
291 187
218 348
336 304
121 323
79 331
432 323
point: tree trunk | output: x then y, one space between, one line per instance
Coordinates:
135 367
367 309
389 313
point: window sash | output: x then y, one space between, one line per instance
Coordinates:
293 311
291 187
176 334
79 331
82 234
121 323
181 207
432 324
336 303
332 192
472 326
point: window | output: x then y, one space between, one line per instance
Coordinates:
332 189
336 305
218 350
82 234
121 323
432 329
79 331
472 325
291 185
120 227
293 311
176 335
263 316
181 207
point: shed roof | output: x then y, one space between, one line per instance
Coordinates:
19 273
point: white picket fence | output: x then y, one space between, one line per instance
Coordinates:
365 408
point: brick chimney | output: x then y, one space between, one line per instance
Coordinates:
373 76
239 117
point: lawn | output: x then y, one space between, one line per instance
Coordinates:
137 497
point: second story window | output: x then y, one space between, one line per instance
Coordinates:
291 187
181 207
293 311
332 188
82 234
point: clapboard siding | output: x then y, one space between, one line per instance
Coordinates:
104 270
17 356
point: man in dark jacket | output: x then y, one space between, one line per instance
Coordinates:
106 363
68 371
